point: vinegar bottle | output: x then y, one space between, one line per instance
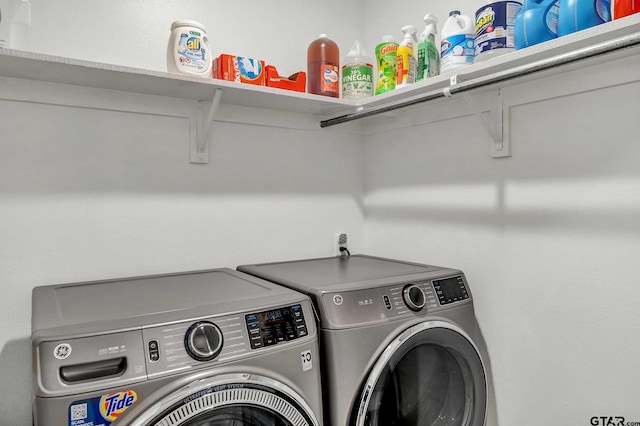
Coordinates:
323 67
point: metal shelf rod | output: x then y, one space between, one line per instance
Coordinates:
599 49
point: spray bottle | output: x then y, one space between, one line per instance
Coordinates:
428 53
407 63
357 73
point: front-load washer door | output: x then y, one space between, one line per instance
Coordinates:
430 375
227 400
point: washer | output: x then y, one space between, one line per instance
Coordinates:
215 347
399 340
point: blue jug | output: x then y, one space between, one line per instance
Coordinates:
577 15
537 22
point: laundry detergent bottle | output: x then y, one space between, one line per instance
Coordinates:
537 22
406 56
387 64
428 53
457 48
188 50
578 15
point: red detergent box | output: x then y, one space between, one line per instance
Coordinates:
296 82
239 69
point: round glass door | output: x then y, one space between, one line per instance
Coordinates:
227 400
431 375
242 415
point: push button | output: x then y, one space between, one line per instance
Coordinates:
387 302
256 342
154 351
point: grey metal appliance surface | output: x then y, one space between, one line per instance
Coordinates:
399 340
212 347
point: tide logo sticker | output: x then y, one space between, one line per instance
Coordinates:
114 404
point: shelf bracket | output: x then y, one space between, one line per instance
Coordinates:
494 125
200 149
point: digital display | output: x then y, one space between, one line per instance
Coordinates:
273 315
450 290
275 326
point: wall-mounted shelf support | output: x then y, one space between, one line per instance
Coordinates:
493 124
200 149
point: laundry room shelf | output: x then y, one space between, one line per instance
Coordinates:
78 72
614 40
56 69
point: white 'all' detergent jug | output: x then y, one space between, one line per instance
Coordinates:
188 51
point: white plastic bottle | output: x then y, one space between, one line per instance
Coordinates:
188 51
457 46
407 51
357 73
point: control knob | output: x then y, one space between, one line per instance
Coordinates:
203 341
413 297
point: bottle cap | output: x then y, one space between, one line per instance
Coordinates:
408 29
454 13
430 18
195 24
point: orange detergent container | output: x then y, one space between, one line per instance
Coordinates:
622 8
323 67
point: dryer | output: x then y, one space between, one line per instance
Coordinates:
213 348
399 340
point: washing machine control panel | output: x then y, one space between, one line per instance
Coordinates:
193 343
275 326
177 346
419 297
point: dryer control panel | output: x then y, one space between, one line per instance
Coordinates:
355 307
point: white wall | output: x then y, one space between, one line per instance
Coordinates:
381 18
96 184
92 193
135 33
549 238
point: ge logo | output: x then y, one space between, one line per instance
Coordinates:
337 299
62 351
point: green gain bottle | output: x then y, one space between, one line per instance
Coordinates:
387 60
